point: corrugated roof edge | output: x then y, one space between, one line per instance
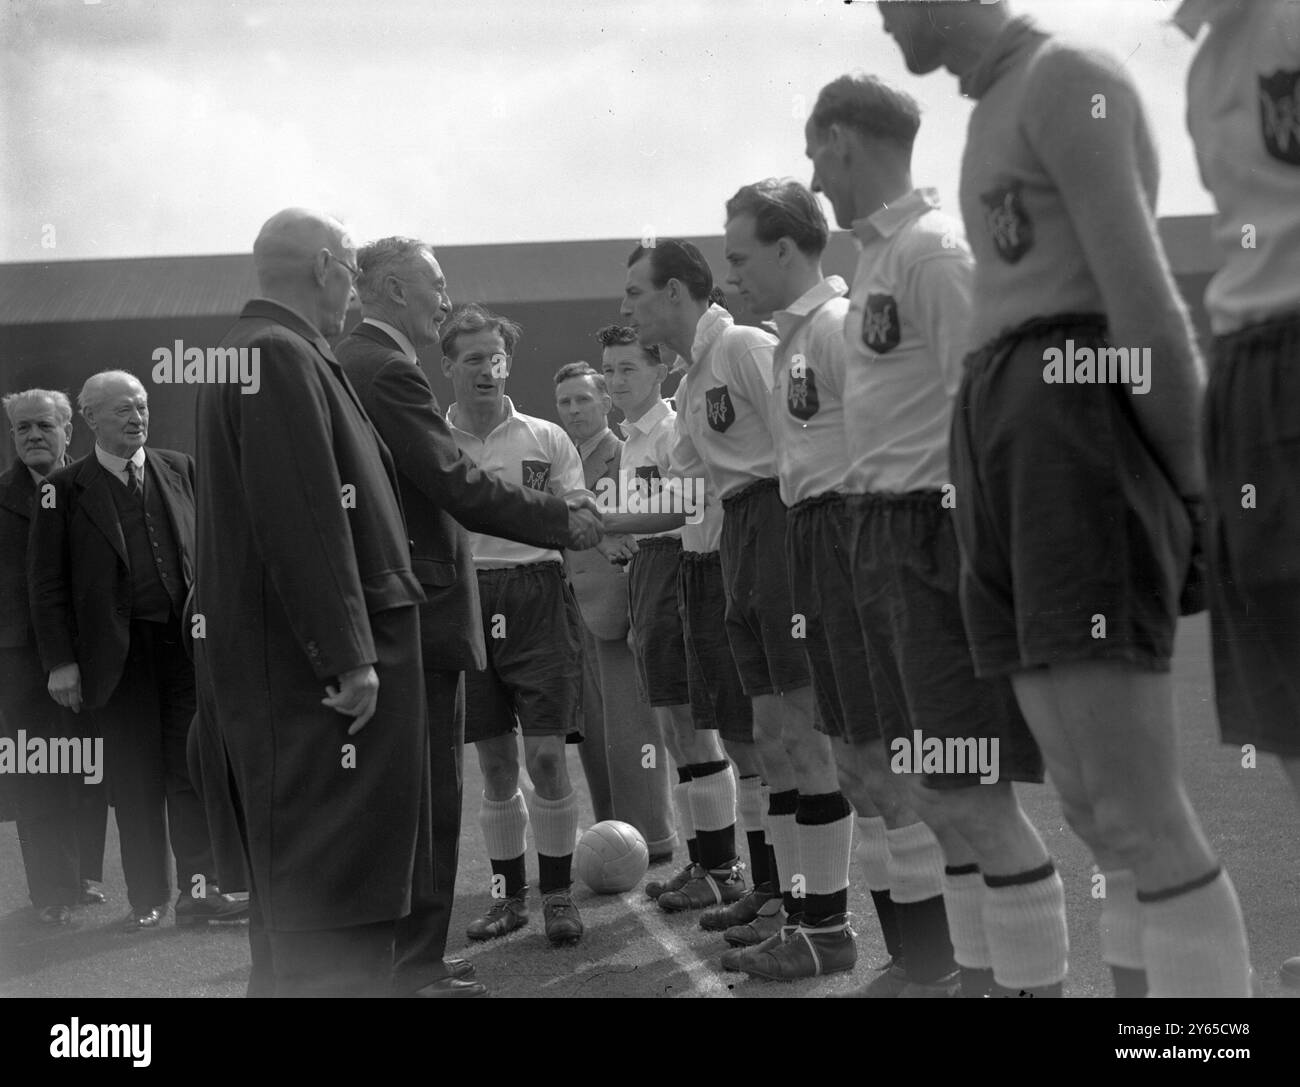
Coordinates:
126 288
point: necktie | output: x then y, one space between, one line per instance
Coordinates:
132 479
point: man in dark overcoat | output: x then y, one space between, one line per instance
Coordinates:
312 643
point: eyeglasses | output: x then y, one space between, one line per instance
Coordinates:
353 271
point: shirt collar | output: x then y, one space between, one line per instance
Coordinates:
399 337
117 465
821 293
589 446
453 415
647 422
886 221
713 322
1004 52
37 478
1192 15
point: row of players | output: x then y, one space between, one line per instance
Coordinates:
895 468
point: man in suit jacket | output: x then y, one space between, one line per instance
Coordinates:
312 648
618 722
61 818
110 563
404 299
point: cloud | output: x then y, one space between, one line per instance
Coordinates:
147 128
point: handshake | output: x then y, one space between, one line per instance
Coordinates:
587 530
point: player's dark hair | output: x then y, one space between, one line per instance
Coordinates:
581 369
468 318
869 106
621 335
718 297
782 208
673 258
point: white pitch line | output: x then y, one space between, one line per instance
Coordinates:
703 976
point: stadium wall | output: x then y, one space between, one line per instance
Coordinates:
62 322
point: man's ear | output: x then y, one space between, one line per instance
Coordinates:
447 364
840 140
320 267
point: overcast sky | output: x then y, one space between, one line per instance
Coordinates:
138 127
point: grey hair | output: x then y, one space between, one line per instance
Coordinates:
62 405
90 391
379 260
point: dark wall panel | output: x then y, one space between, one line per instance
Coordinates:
62 356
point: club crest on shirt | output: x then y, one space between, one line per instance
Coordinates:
719 410
1279 115
801 397
1008 223
536 474
880 331
647 472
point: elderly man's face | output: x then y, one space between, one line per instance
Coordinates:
339 287
581 406
120 418
39 437
427 301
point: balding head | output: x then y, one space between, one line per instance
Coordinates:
116 408
304 260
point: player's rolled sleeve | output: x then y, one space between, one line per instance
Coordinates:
750 371
567 479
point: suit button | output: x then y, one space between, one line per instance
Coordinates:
122 609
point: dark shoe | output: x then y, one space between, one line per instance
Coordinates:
770 919
1290 973
91 895
716 887
213 907
805 953
562 919
54 915
741 912
140 920
450 988
734 958
889 982
655 887
462 969
506 915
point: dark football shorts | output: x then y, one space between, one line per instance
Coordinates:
659 645
1075 544
906 572
818 543
717 699
760 618
534 670
1252 448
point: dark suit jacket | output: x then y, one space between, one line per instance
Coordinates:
80 580
17 494
600 586
439 483
299 583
